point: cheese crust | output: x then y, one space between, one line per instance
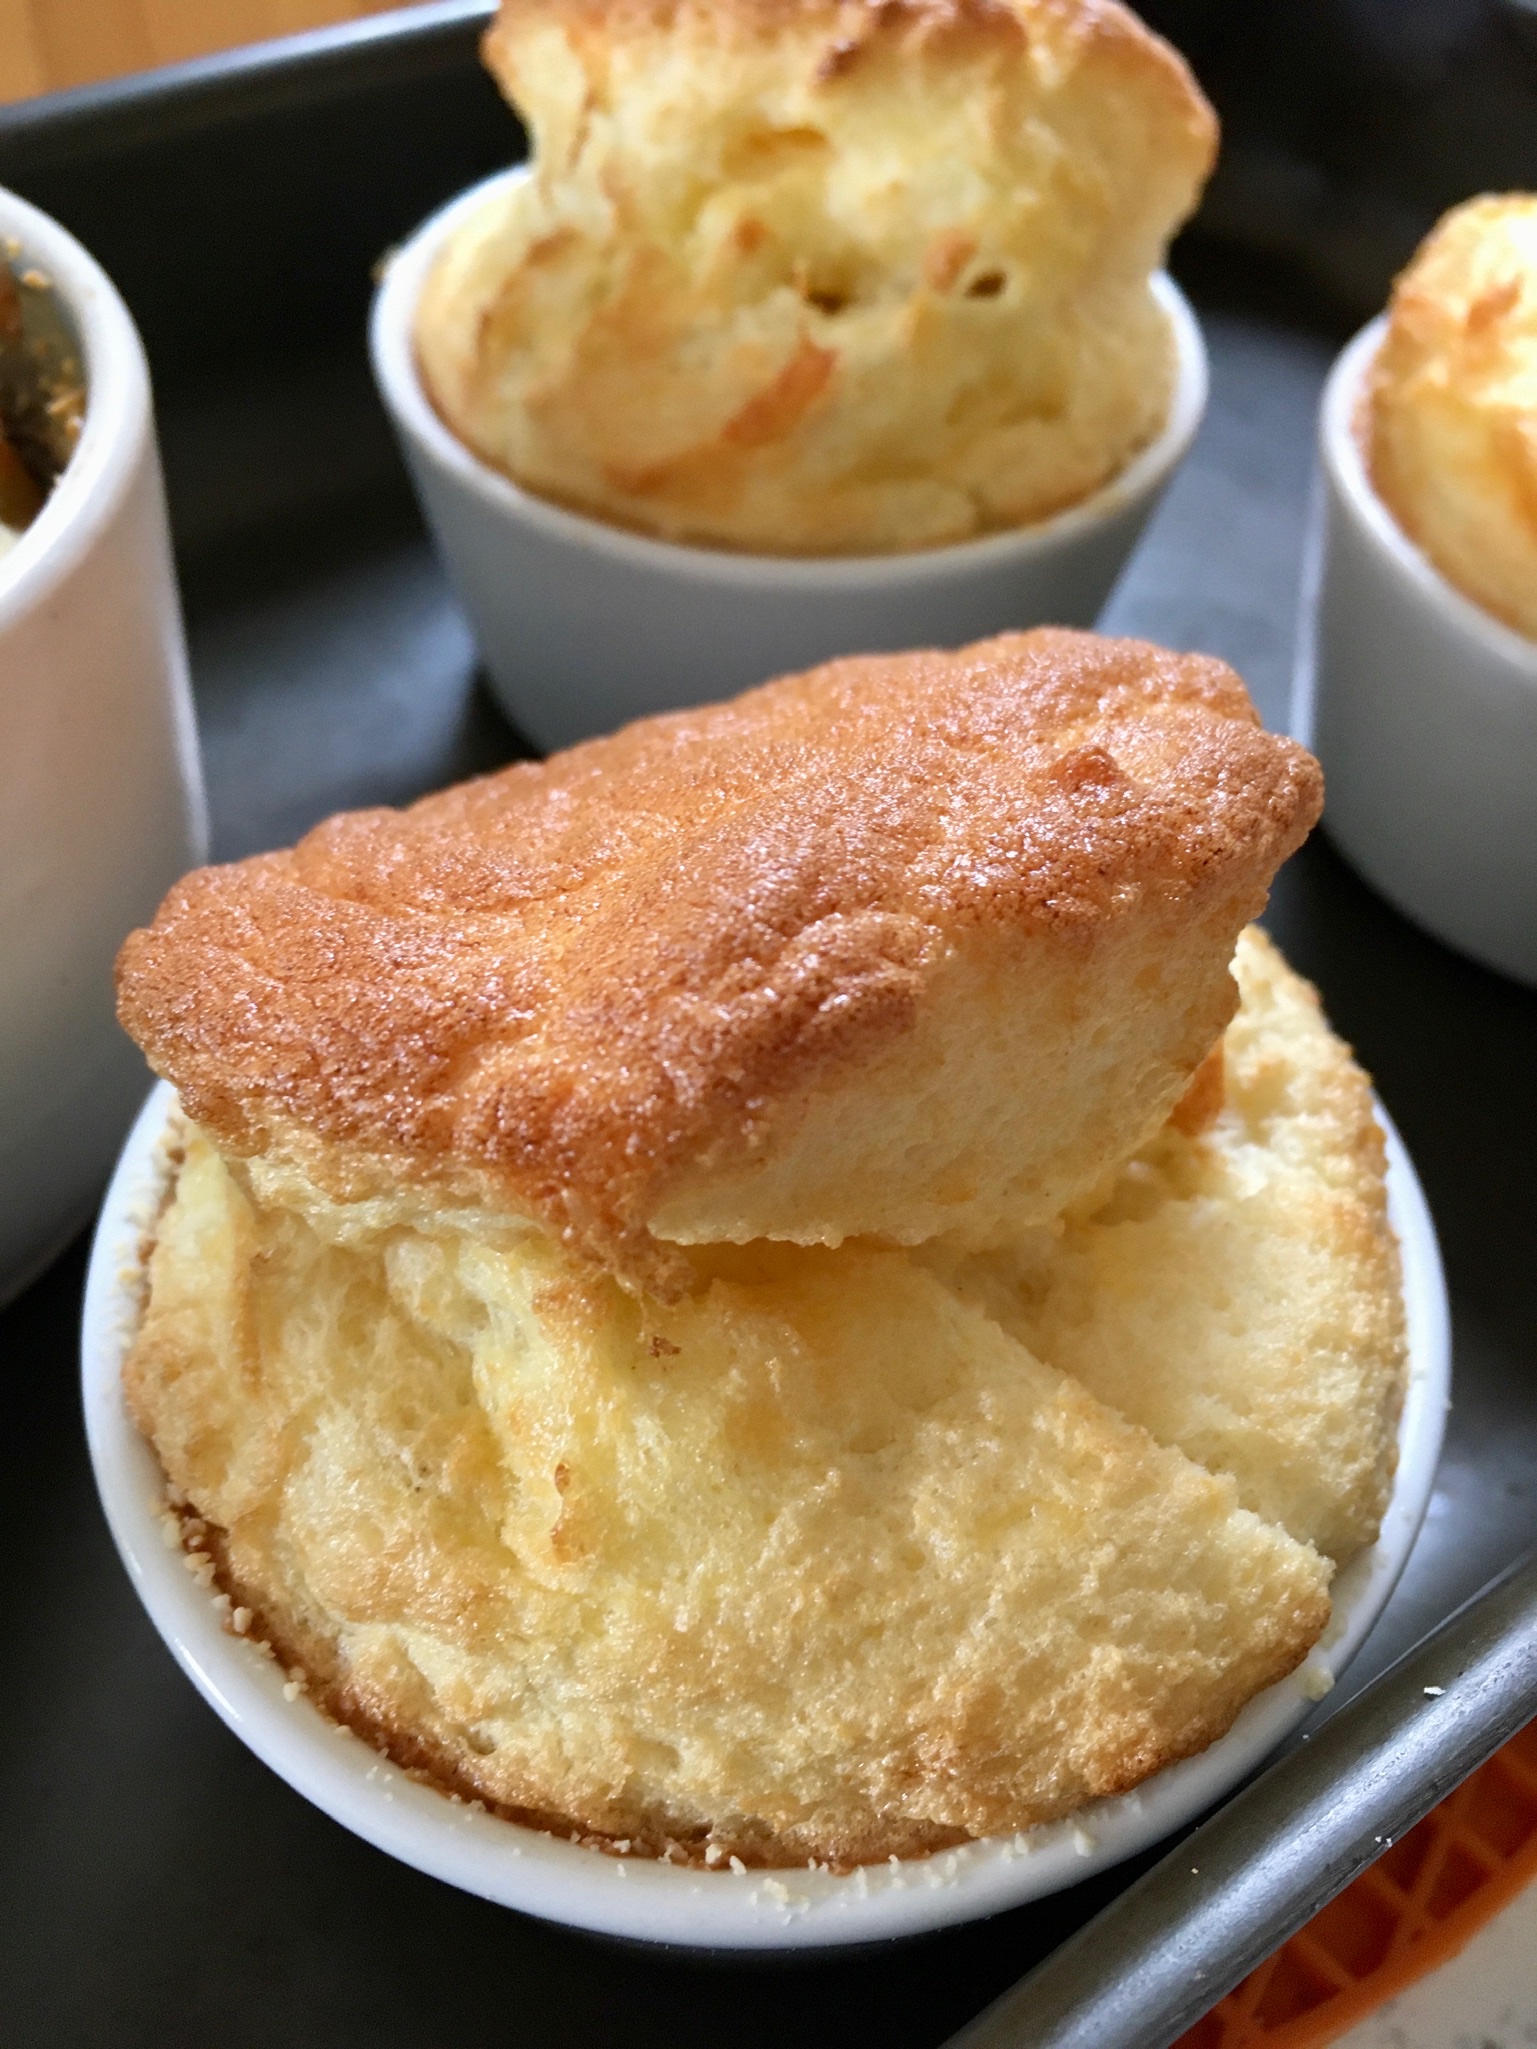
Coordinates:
905 946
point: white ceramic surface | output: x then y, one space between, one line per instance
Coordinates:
583 625
1422 708
101 803
561 1882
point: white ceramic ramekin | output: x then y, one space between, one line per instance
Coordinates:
583 625
1422 708
101 803
637 1898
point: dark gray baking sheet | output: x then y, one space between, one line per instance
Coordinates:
157 1885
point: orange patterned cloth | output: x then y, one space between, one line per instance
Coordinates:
1416 1906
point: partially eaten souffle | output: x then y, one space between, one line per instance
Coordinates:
820 276
1451 421
743 1292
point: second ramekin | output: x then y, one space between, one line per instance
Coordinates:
583 625
1422 708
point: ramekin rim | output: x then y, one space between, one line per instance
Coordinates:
395 370
1344 461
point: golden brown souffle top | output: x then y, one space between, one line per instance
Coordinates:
570 975
1451 421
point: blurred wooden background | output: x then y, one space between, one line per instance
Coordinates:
46 44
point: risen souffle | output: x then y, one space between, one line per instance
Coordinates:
819 1560
820 276
726 1292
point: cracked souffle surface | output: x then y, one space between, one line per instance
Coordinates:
820 276
825 1557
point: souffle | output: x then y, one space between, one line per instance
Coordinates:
758 1289
820 276
1451 429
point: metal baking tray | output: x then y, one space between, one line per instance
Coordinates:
159 1886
